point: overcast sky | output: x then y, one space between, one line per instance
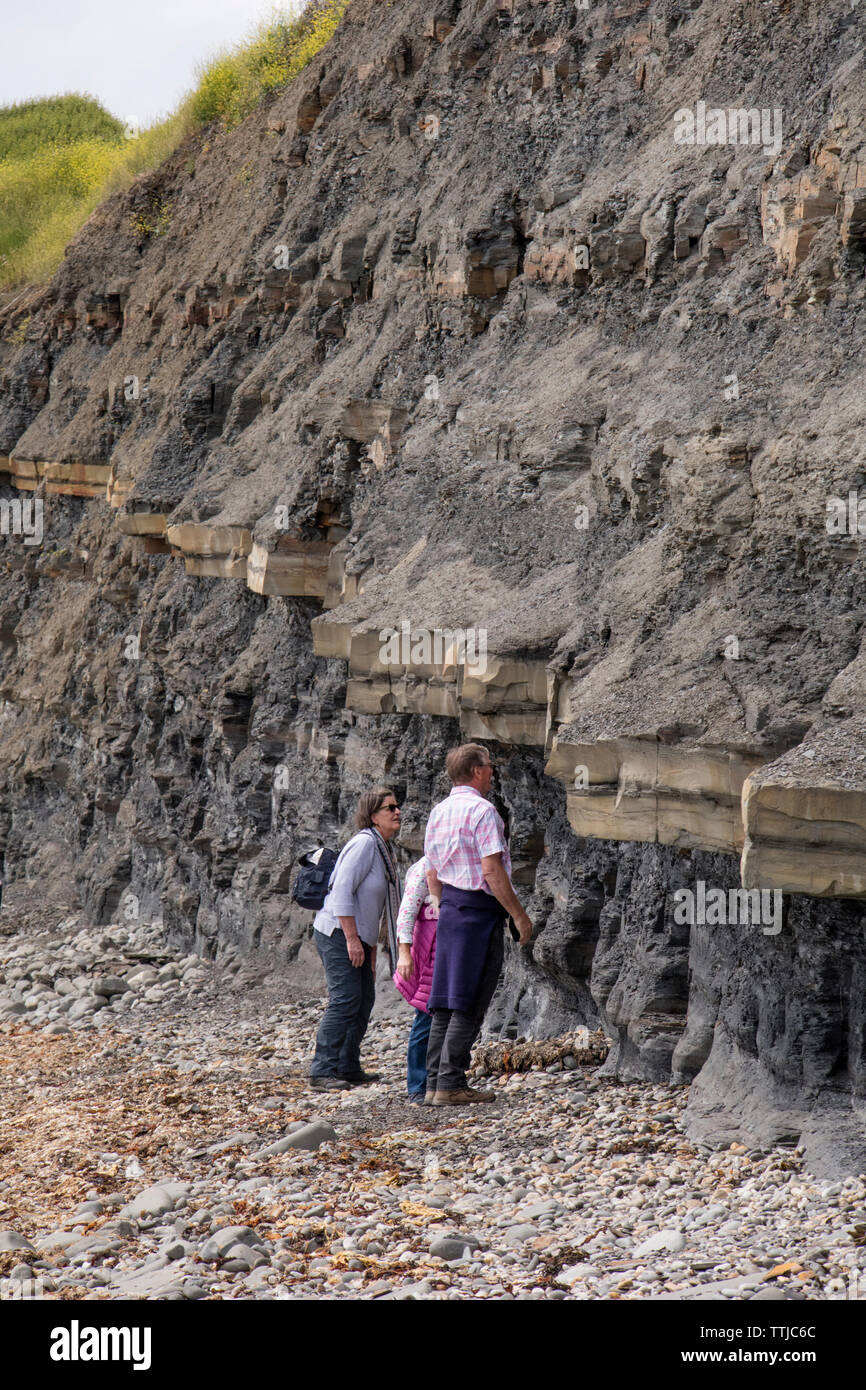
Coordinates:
138 58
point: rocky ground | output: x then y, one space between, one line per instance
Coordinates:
160 1141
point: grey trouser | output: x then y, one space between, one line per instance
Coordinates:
351 992
453 1032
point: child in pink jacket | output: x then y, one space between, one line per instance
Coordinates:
416 935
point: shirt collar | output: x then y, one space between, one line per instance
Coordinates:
465 788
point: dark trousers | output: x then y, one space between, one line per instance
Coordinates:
453 1032
351 991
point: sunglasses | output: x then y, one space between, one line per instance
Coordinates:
391 806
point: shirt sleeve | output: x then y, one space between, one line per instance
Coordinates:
356 863
490 833
414 894
429 840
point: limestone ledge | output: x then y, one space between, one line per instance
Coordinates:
804 836
141 523
494 697
295 568
343 586
211 551
646 790
70 479
803 196
117 490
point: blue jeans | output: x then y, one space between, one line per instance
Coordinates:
351 991
416 1061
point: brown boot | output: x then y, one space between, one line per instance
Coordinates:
467 1097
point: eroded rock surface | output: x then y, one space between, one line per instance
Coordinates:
453 333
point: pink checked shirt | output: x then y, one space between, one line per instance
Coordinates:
460 832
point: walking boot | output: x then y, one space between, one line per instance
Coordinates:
467 1097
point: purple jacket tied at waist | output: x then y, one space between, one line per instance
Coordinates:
417 990
467 920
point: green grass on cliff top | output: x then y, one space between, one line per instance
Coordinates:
61 156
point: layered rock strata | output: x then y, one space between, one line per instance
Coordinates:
454 333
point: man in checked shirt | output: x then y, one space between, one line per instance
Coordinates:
470 876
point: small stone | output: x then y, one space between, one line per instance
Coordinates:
145 976
233 1141
671 1240
85 1006
539 1209
575 1274
455 1247
92 1208
250 1257
108 985
220 1243
11 1240
708 1215
308 1137
411 1291
155 1201
517 1235
58 1240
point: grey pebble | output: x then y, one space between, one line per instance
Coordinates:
452 1247
11 1240
309 1137
155 1201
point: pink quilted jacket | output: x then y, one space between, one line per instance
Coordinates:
417 990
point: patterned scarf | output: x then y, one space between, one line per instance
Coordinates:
392 897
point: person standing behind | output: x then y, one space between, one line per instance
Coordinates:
470 872
416 934
365 880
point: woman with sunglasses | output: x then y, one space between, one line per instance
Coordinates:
365 882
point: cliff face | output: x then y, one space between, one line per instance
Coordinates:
456 336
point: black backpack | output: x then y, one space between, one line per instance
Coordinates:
314 878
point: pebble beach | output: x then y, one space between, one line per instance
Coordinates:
160 1141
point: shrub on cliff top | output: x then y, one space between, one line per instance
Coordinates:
232 84
28 126
61 156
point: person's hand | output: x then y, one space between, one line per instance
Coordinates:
434 906
524 927
405 963
355 947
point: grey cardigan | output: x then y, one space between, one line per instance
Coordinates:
358 889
